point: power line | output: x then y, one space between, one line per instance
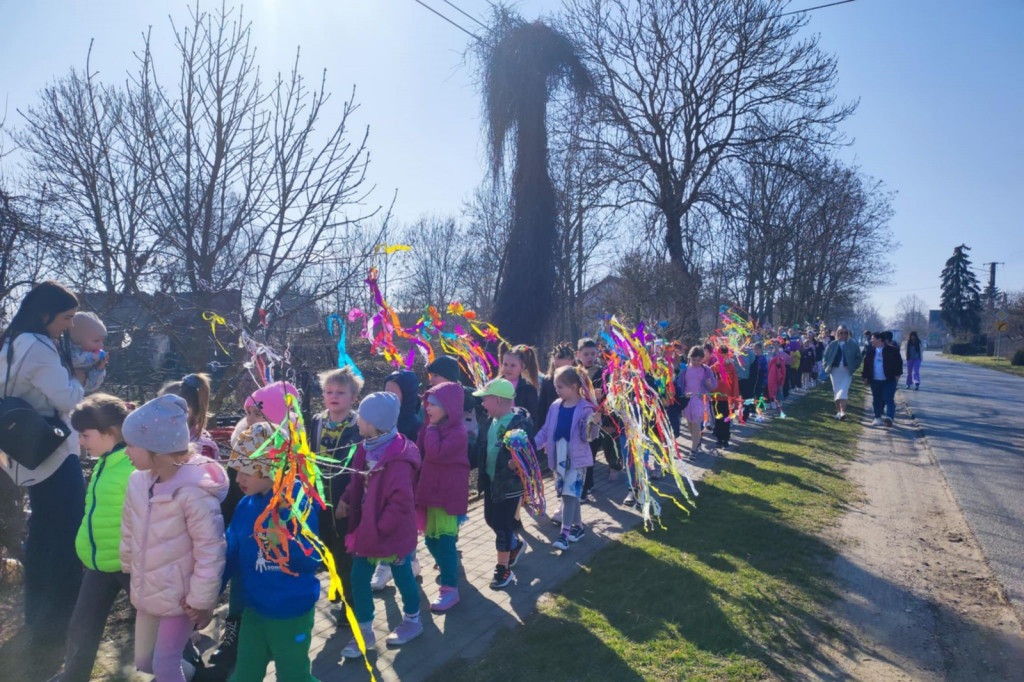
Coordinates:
810 9
458 26
466 14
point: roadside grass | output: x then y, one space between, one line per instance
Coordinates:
998 364
736 591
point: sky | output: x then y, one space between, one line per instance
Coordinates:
940 85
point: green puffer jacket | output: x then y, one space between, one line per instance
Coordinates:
99 536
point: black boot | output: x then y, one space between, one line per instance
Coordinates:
228 648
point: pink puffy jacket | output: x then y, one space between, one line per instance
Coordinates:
172 537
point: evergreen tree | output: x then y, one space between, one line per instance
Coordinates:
961 294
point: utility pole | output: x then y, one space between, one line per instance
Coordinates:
990 292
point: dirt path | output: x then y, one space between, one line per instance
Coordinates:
917 601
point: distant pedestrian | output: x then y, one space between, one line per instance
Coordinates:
882 369
914 355
841 357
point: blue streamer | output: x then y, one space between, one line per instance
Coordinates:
344 359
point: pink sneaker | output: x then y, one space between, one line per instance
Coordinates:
448 598
406 631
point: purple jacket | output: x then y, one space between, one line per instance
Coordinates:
444 476
381 512
579 440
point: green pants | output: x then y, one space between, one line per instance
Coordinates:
284 641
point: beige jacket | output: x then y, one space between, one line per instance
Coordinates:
172 537
39 378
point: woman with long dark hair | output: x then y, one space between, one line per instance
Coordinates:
914 355
35 366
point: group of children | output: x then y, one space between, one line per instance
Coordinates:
174 524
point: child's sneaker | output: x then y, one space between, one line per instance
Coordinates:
630 500
381 577
448 598
556 518
513 556
575 533
351 649
562 542
409 629
503 575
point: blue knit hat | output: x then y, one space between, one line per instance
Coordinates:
160 426
381 410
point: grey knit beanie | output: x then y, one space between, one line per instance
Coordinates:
160 426
381 410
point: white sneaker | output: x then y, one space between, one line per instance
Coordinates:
381 577
839 415
877 422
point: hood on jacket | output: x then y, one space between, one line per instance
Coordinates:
200 472
452 398
271 401
410 385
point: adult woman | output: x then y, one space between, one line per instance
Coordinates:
40 374
914 355
842 356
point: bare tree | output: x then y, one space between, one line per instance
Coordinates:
488 215
434 266
912 314
690 85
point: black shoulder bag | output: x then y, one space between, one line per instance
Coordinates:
25 435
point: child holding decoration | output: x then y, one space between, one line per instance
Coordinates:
442 492
499 482
333 433
379 504
172 535
280 597
566 435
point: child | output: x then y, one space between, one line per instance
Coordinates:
194 389
98 421
695 382
266 405
777 369
562 355
406 386
520 367
588 354
726 395
333 433
566 435
277 620
793 370
446 368
88 359
758 379
498 480
442 493
172 535
381 515
807 359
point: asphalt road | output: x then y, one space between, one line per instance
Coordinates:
974 421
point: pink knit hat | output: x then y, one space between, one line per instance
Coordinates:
271 401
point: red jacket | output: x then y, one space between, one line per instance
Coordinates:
728 382
444 476
381 511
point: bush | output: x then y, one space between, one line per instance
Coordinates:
965 349
1018 357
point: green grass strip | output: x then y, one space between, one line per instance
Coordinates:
998 364
735 591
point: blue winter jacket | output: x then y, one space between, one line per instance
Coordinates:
268 590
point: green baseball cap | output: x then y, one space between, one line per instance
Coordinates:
500 388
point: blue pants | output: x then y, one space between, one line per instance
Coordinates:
362 594
53 571
447 558
883 395
913 372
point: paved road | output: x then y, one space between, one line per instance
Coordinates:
974 421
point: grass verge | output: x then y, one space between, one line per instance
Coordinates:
998 364
737 590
